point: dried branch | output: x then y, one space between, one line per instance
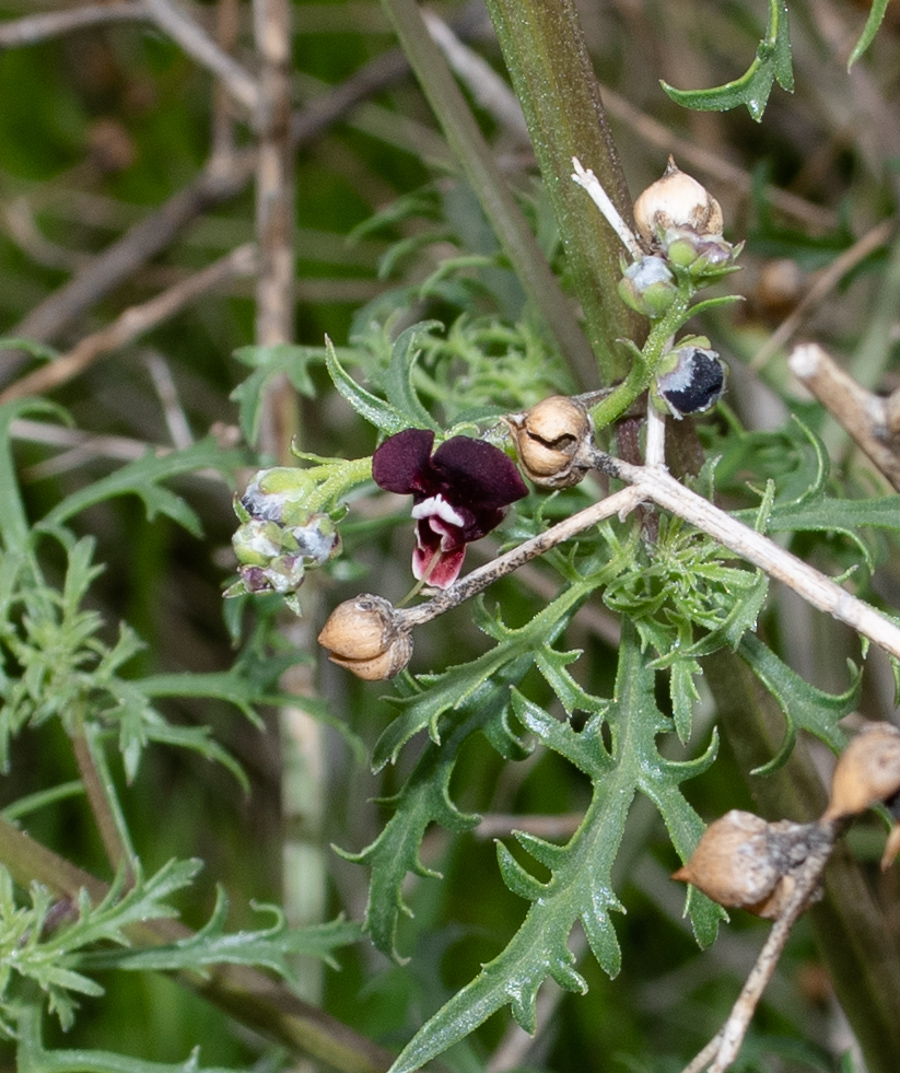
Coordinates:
33 29
824 284
220 181
871 420
133 323
195 41
659 487
723 1048
654 484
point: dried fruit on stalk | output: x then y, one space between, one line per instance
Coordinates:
676 201
868 773
362 635
553 441
744 861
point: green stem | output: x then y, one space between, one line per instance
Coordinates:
101 794
474 154
641 374
251 997
544 48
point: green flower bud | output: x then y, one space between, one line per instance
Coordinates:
648 287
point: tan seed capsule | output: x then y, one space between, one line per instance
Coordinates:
362 636
867 772
732 863
379 668
552 441
676 201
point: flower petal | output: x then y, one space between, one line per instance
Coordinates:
477 475
403 463
430 542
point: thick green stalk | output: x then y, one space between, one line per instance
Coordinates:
474 154
544 49
852 934
251 997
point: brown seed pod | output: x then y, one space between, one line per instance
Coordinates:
733 863
362 636
868 771
552 441
676 201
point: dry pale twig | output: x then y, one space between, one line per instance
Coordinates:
32 29
488 88
661 488
220 181
724 1047
824 284
872 421
654 484
195 41
132 323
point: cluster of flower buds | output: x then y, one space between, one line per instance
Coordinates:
679 220
691 378
279 538
745 861
554 441
679 224
868 773
363 635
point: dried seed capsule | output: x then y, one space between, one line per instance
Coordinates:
362 636
676 200
868 771
742 860
553 441
733 863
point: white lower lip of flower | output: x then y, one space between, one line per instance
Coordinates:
438 507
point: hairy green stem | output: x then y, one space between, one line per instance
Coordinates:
102 797
544 48
642 372
474 154
251 997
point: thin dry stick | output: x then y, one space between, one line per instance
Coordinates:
867 418
134 322
729 1039
659 487
654 484
819 291
620 503
488 88
219 181
712 164
195 41
33 29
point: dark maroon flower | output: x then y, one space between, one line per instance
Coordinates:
460 493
